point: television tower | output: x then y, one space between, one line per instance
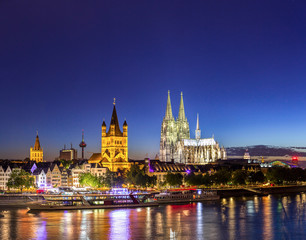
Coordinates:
82 144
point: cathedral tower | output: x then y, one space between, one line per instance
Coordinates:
182 123
168 136
36 153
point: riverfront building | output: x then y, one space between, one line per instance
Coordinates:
176 145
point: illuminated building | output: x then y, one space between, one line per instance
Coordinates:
68 154
173 131
40 177
176 145
114 145
5 173
246 155
36 153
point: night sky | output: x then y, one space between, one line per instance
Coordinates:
240 64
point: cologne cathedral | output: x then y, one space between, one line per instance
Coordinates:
176 145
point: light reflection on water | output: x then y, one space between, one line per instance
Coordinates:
271 217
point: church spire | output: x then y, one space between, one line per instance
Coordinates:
198 131
37 143
168 109
198 125
114 122
181 115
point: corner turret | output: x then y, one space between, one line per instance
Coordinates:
125 129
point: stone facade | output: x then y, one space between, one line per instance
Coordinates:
114 145
176 145
36 152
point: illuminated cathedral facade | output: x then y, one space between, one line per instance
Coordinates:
114 145
176 145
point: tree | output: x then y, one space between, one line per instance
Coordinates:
257 177
151 181
133 173
113 179
138 177
207 180
66 163
222 176
278 175
194 180
239 177
174 179
20 179
297 174
90 180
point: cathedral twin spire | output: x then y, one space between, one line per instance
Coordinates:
169 115
181 115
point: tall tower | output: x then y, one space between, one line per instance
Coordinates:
114 144
198 131
82 144
182 123
168 136
36 153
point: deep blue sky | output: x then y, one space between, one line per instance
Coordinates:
240 64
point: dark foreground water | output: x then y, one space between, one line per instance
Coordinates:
271 217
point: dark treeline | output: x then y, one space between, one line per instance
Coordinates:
276 175
137 177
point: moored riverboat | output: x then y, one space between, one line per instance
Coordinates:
186 196
94 201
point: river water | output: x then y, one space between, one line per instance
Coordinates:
270 217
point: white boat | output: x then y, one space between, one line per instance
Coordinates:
186 196
93 201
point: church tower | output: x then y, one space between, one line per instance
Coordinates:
168 136
114 144
36 153
182 123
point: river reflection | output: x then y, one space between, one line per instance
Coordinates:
271 217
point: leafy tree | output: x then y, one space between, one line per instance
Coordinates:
256 177
207 180
239 177
66 163
174 179
90 180
133 173
194 179
297 174
20 179
113 179
222 176
278 175
151 181
138 177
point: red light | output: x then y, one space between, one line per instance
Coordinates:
295 158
